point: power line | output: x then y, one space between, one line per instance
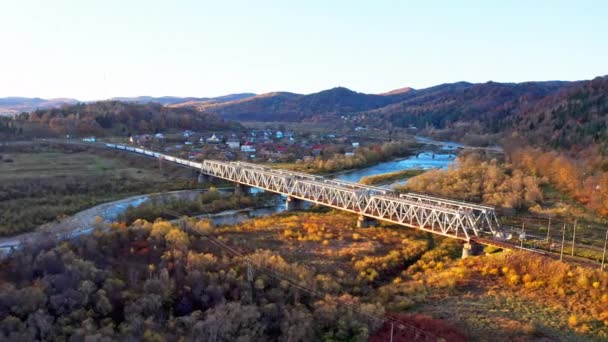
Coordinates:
281 277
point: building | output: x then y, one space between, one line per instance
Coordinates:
316 149
233 144
279 135
159 136
355 144
248 147
213 140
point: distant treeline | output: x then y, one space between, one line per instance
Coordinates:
120 118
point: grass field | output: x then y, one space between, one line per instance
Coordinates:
57 164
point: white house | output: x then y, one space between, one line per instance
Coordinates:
233 143
213 140
247 147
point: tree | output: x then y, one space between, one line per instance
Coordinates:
231 322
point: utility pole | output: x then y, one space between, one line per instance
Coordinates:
573 237
392 326
548 229
604 254
561 255
522 236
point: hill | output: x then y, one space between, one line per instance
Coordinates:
437 106
16 105
284 106
575 117
114 117
447 104
172 100
398 91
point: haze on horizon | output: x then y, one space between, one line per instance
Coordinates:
113 48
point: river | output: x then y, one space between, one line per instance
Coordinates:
83 222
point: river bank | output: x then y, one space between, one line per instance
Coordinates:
84 221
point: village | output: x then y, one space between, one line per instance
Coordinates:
257 145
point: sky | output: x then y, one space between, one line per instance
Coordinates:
90 49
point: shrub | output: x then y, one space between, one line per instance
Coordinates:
572 321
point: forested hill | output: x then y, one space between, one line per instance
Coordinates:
284 106
114 117
575 117
438 106
446 104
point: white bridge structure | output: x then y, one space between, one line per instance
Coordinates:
456 219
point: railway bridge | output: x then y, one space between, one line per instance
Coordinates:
461 220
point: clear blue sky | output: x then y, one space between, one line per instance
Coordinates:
91 49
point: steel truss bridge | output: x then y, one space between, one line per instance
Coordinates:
456 219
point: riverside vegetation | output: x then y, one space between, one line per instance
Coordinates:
210 201
390 177
157 281
336 161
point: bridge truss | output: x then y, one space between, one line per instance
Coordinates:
461 220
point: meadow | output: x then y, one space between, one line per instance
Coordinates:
40 183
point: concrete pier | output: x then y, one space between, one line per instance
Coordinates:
203 178
471 248
240 189
293 204
365 222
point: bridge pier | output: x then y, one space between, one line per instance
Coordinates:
241 189
203 178
471 248
365 222
293 204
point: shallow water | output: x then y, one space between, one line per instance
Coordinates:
423 160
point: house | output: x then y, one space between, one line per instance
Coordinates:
89 139
359 128
281 149
187 133
140 139
159 136
234 144
279 134
349 154
316 149
355 144
213 139
247 147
